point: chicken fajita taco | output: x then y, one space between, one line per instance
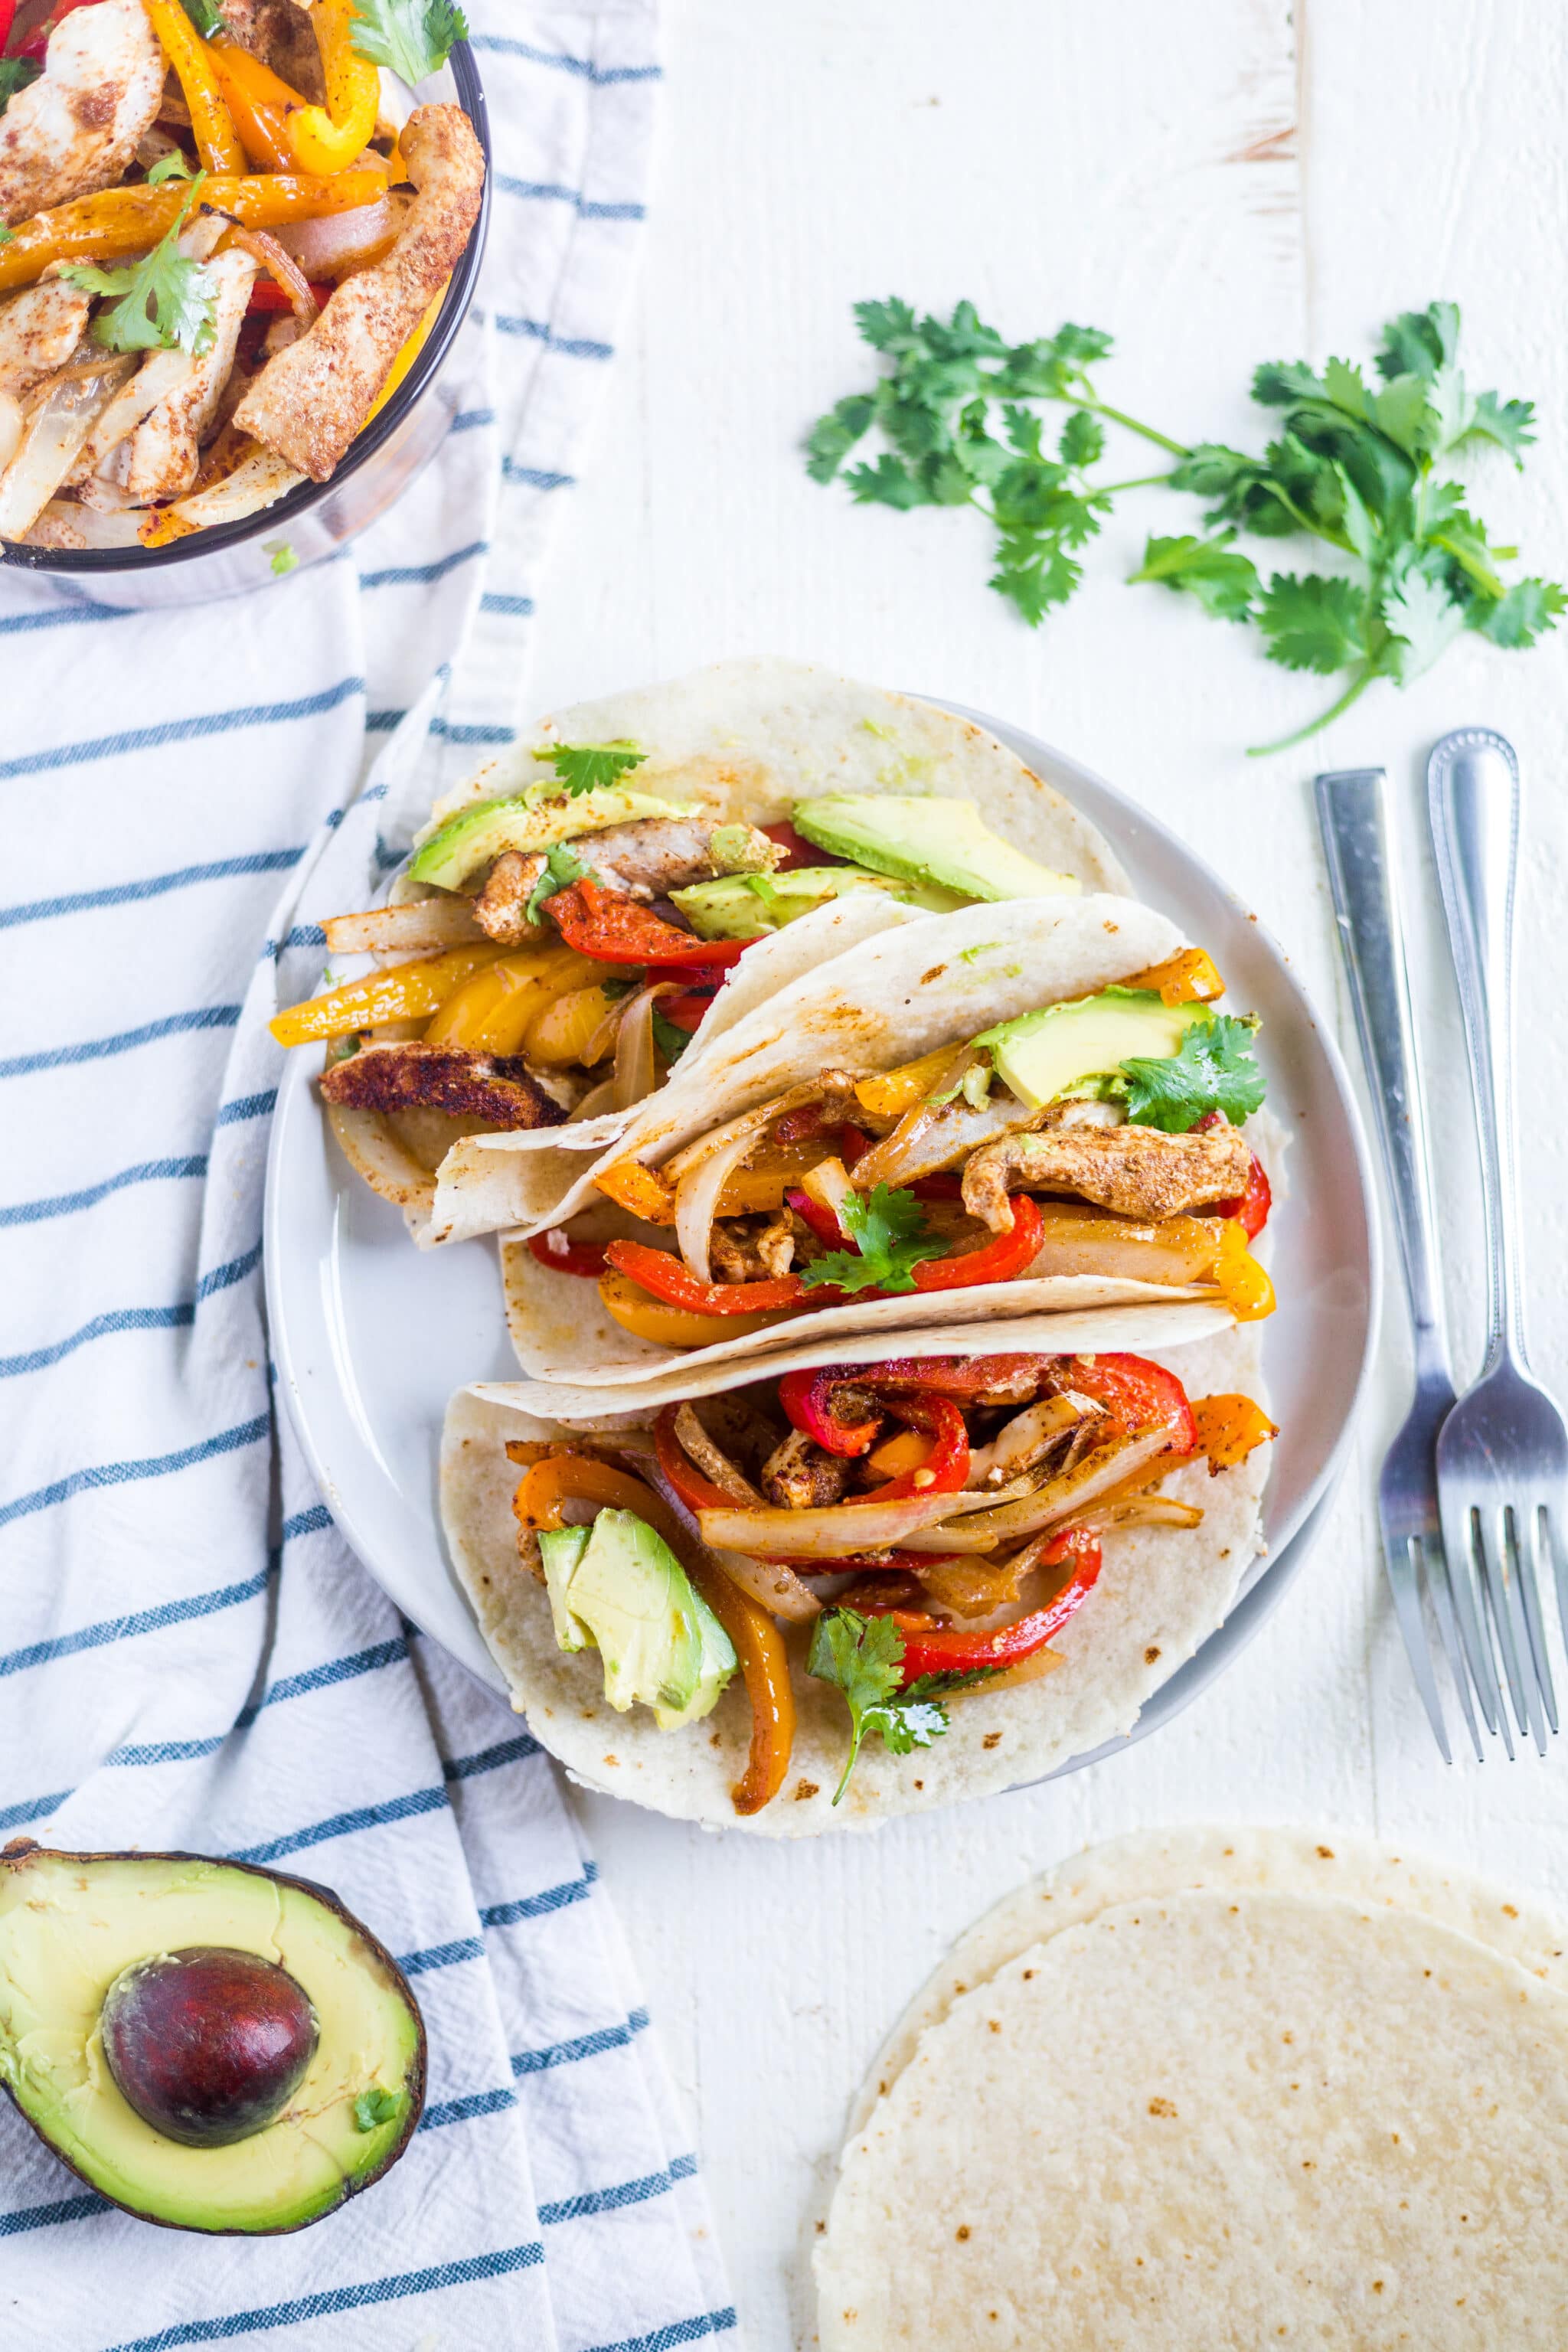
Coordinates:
1014 1109
866 1577
598 906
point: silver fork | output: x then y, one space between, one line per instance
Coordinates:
1502 1453
1353 812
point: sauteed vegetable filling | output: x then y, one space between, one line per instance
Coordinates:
218 256
919 1528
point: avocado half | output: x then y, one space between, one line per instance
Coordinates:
75 1926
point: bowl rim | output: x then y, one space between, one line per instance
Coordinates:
87 562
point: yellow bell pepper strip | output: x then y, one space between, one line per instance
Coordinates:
1243 1283
493 1011
120 221
402 992
407 356
646 1317
327 138
212 125
641 1190
1189 977
259 102
894 1092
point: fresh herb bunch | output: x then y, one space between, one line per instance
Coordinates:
1365 468
863 1657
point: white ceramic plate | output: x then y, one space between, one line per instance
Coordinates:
371 1336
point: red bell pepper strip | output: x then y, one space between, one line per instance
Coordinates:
7 18
698 1493
941 1187
266 294
945 1467
822 1221
1250 1207
1138 1395
853 1144
686 1011
662 1273
1002 1260
807 1401
557 1248
615 928
797 850
946 1651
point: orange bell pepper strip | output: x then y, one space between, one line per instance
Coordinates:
259 102
1228 1428
326 138
1189 977
120 221
407 356
641 1190
759 1645
402 992
212 125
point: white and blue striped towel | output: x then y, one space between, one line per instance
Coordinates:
189 1655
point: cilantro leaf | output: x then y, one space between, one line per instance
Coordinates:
1224 584
562 868
888 483
586 767
284 559
1509 424
1528 609
888 326
1313 623
162 303
376 2106
862 1656
1419 342
17 73
204 17
1216 1069
413 39
890 1229
171 166
1083 440
833 436
671 1040
1422 619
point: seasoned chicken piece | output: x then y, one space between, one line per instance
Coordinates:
1137 1171
801 1476
75 129
776 1244
734 1252
282 36
654 855
496 1086
501 907
166 449
39 330
310 402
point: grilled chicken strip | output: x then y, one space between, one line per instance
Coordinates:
501 907
39 332
74 131
309 402
281 33
801 1476
165 449
496 1086
1136 1172
652 858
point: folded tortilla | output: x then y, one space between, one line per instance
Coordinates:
1161 1592
747 740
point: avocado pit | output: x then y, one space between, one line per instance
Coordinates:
208 2044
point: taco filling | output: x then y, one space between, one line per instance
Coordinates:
564 944
1099 1135
918 1530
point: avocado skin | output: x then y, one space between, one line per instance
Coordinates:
929 838
21 1850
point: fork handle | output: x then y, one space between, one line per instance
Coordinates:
1472 786
1353 812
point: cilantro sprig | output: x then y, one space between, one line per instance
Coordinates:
863 1657
1363 466
162 303
562 868
376 2106
1214 1069
587 767
888 1227
413 39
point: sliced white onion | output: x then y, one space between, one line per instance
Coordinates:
636 1067
1020 1442
596 1101
926 1141
1051 1504
828 1185
423 923
256 482
839 1530
696 1198
10 428
711 1460
749 1122
1143 1511
777 1588
52 437
372 1151
64 523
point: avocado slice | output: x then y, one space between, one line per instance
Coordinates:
1062 1047
531 820
927 839
625 1592
91 1949
746 905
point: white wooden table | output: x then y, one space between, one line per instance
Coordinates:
1218 183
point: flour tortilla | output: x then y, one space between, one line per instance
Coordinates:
935 982
1213 2121
1150 1864
746 740
1162 1591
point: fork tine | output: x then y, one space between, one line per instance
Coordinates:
1526 1524
1436 1571
1548 1514
1400 1559
1503 1605
1458 1555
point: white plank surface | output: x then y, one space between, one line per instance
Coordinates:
1217 184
